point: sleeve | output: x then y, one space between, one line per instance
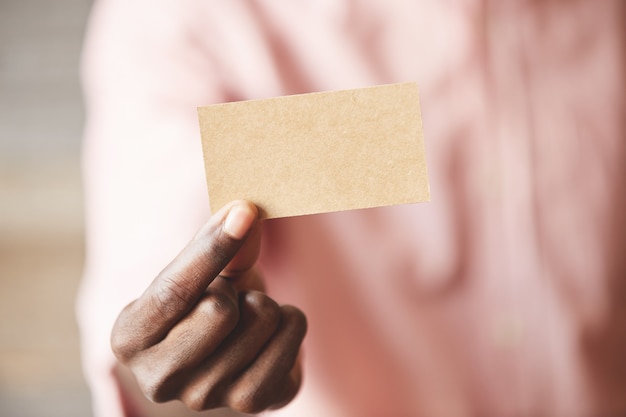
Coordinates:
143 74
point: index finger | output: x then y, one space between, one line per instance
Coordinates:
181 284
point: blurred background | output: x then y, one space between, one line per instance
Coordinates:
41 213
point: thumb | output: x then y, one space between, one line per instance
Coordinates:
247 255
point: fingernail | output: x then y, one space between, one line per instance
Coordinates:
238 221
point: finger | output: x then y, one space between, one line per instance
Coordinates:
247 254
164 367
260 317
181 284
274 377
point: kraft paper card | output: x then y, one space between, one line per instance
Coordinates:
318 152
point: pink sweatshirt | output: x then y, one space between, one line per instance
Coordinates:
504 296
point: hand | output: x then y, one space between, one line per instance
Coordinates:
200 334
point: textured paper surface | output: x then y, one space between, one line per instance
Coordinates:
316 153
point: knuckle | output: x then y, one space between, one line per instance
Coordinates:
121 343
295 319
266 308
200 402
171 296
274 389
156 382
123 339
195 401
247 400
152 392
220 309
201 398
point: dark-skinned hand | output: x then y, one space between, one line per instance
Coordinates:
204 333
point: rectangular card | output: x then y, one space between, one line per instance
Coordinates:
318 152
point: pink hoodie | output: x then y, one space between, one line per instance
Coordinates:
504 296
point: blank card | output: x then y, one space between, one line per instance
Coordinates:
318 152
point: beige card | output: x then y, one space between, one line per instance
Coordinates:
316 153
